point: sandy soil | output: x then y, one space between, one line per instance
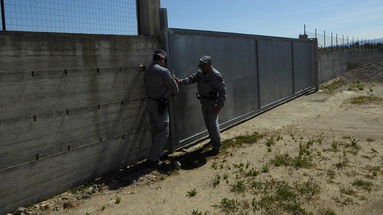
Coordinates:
320 154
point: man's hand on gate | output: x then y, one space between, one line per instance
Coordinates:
178 81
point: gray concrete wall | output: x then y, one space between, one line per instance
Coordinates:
72 109
334 63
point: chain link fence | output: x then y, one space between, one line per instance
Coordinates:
328 39
117 17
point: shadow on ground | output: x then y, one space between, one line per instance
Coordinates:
130 175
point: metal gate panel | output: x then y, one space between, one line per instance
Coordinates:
303 69
275 70
258 72
234 56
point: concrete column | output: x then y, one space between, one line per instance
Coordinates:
148 17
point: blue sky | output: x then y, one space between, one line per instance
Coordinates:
358 18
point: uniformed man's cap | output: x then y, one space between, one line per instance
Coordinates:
160 52
204 61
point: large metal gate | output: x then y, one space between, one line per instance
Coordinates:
260 73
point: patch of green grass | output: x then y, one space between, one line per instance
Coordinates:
228 206
356 85
308 188
360 100
87 213
334 85
297 162
361 184
285 192
251 172
238 187
240 140
281 160
191 193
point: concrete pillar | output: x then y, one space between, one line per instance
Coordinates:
148 17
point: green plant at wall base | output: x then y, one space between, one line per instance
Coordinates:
240 140
334 85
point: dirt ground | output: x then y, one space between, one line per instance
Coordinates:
319 154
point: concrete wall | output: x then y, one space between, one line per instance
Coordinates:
72 109
334 63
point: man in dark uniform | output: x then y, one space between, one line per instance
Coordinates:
159 86
212 95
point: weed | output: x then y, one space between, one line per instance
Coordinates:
103 207
265 169
356 85
297 162
238 187
364 185
370 140
360 100
347 191
191 193
269 149
196 212
228 206
216 180
252 172
308 189
285 192
302 162
270 142
328 212
87 213
118 200
281 160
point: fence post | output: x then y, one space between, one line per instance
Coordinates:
332 40
315 64
4 26
324 39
